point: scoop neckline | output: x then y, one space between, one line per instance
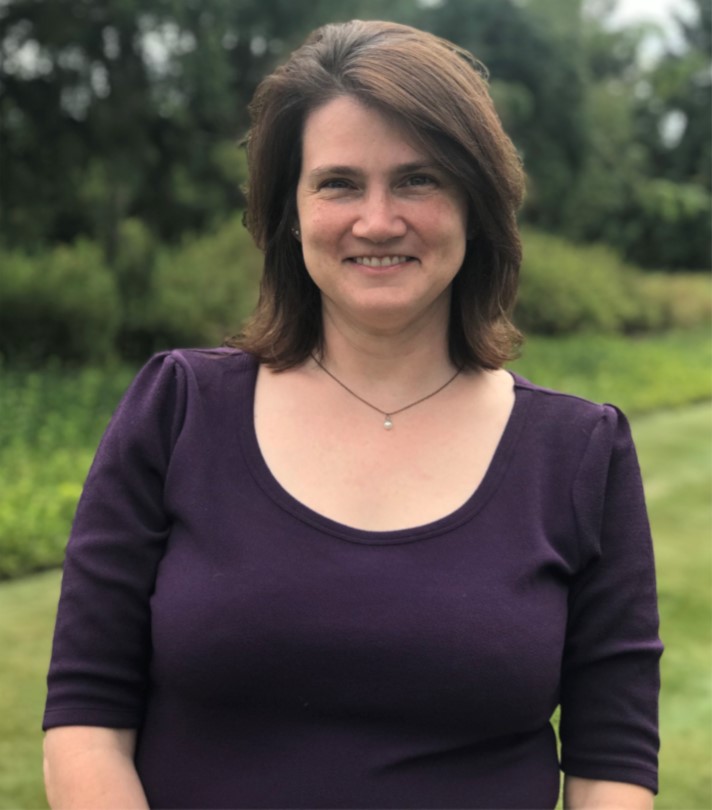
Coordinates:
274 490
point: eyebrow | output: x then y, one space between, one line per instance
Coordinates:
351 171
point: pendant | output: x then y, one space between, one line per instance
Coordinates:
388 424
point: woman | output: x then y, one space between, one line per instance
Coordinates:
350 561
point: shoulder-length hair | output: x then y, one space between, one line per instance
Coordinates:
438 92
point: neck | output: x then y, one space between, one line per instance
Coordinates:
391 368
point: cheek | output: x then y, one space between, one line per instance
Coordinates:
316 228
324 238
448 226
319 246
319 225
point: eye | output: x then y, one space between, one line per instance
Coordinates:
335 183
420 180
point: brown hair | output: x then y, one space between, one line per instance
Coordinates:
438 92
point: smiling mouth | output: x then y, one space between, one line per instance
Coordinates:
382 261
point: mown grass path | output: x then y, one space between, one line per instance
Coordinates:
675 449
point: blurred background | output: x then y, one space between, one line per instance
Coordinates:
121 234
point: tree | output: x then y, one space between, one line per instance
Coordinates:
114 110
111 109
531 50
644 186
75 118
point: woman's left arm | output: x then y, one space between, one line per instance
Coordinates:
610 668
595 794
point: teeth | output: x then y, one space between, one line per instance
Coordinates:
386 261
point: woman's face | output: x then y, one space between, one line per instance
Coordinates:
383 229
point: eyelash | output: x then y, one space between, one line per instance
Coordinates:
428 180
340 184
332 184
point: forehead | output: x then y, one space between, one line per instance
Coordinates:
344 129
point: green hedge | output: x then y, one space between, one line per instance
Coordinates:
568 288
60 303
204 290
191 295
68 304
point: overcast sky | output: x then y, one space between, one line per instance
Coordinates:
655 10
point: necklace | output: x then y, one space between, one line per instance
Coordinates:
387 417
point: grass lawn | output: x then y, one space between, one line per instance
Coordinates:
26 621
676 457
675 452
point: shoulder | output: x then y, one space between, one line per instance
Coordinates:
568 427
169 381
209 362
196 369
181 393
586 450
560 402
563 412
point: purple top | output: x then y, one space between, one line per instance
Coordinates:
273 658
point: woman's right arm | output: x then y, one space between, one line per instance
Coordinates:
92 768
102 642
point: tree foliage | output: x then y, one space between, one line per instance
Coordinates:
118 108
645 183
114 110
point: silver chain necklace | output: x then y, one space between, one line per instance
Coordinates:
387 417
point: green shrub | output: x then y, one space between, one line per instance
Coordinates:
52 422
683 300
135 259
203 290
671 226
68 304
61 303
134 268
568 288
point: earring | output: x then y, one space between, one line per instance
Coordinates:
297 233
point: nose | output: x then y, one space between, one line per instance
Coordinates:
378 218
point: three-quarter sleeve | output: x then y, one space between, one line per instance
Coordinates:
101 648
610 673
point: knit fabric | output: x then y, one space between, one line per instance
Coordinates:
271 657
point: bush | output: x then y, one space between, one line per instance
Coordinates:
203 290
68 304
135 260
134 268
683 299
568 288
671 225
52 421
61 303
